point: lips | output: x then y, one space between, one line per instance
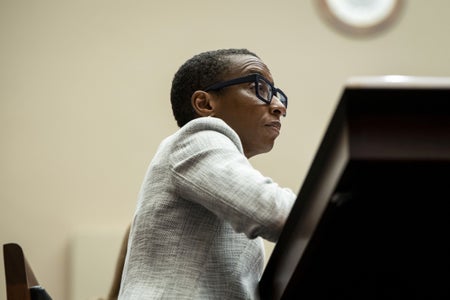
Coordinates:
275 125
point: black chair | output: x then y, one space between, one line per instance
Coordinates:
21 283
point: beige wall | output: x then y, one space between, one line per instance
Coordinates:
84 99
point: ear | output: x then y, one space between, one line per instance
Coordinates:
202 103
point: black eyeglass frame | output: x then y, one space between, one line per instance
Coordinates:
252 78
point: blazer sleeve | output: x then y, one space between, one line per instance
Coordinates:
208 167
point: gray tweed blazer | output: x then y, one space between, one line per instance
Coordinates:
200 216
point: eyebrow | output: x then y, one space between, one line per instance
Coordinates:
259 72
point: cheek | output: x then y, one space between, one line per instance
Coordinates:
249 97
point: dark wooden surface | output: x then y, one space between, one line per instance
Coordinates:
372 217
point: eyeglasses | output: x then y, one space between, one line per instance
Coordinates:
263 88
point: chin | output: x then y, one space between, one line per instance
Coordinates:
259 151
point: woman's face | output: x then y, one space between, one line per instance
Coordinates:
257 123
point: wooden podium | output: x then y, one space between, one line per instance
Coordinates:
372 218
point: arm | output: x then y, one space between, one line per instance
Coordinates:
209 168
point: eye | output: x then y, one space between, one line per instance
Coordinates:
264 89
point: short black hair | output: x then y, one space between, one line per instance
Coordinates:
197 73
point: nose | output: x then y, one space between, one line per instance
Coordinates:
276 107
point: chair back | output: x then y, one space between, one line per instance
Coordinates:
115 285
21 283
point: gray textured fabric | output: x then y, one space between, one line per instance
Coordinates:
201 213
